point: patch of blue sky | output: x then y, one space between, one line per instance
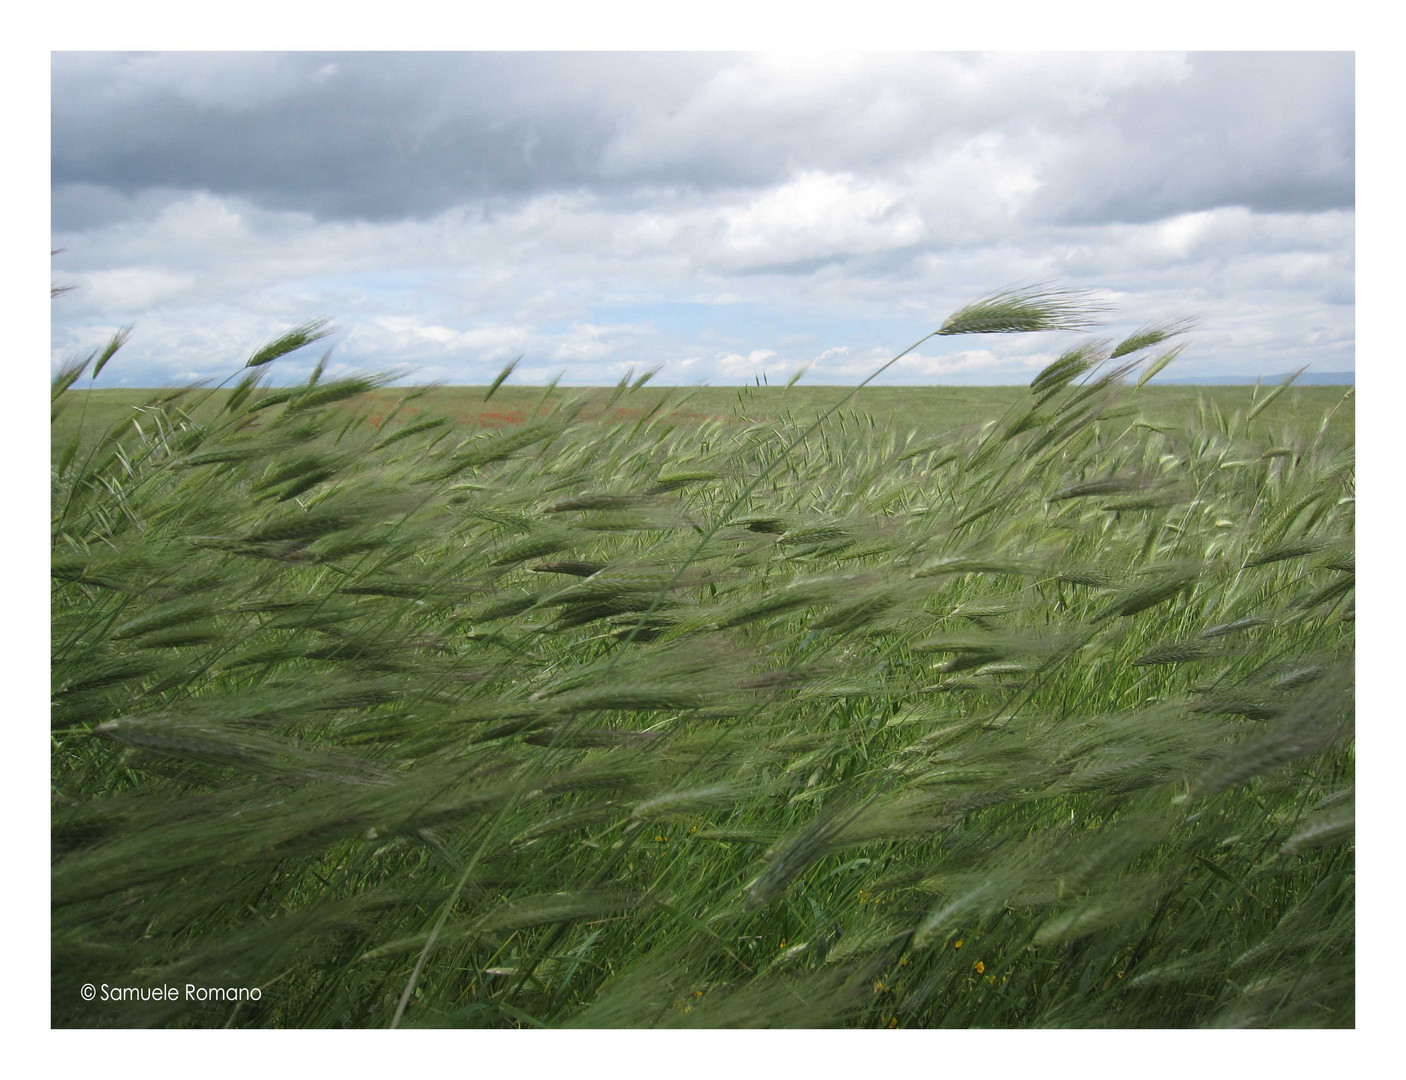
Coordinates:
375 287
746 325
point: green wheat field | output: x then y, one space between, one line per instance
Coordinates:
645 707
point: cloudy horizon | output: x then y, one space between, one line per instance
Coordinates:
726 216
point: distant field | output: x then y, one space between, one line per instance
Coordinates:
926 410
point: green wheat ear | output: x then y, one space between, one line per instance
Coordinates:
1026 311
290 341
501 378
1152 334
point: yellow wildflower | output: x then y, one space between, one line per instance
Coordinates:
661 839
783 944
893 1021
959 944
980 967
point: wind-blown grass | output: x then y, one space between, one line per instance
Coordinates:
813 721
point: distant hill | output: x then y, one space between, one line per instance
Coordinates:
1308 378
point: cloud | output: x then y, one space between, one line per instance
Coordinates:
129 288
596 211
734 367
377 136
383 136
1272 132
816 217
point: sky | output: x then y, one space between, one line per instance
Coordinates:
726 216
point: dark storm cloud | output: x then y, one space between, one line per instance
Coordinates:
389 136
1271 132
371 136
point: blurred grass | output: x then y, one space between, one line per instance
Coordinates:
659 709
